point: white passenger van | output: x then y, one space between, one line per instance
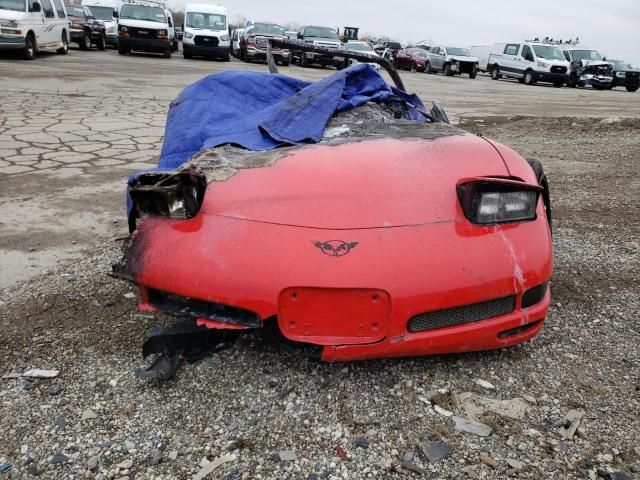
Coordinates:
106 11
145 26
34 25
206 33
529 62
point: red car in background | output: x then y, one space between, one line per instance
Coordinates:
412 58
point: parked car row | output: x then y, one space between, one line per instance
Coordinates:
559 64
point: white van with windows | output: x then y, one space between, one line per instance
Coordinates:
145 26
30 26
529 62
206 33
106 11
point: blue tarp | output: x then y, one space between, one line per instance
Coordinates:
261 111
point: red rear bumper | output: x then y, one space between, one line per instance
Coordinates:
417 269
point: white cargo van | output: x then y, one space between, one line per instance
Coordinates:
529 62
481 52
106 11
33 25
206 33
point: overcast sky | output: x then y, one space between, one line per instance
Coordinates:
612 27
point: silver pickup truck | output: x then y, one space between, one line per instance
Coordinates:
451 61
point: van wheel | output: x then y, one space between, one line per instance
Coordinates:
529 79
186 54
167 53
29 52
632 89
85 41
64 49
427 68
102 42
495 73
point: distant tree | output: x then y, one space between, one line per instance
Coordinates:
291 26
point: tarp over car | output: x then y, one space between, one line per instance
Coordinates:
262 111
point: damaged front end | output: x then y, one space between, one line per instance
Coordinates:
597 74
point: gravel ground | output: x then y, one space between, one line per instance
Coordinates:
269 414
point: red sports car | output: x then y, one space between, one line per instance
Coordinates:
387 238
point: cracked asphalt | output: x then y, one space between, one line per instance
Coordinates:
72 129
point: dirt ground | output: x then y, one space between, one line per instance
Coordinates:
69 136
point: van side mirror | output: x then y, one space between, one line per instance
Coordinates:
35 7
115 14
604 59
299 35
529 57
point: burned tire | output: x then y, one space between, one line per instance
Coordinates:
102 42
29 52
85 41
632 89
536 166
495 73
64 49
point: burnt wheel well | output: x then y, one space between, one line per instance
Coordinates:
536 166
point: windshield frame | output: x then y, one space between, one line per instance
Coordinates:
4 5
453 50
97 10
189 18
132 6
333 35
267 29
580 58
548 48
70 11
361 47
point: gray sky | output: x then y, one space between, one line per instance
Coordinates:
612 27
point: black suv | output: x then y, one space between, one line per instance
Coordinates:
85 29
624 75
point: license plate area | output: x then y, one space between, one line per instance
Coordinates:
334 316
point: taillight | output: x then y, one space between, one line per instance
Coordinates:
176 194
491 201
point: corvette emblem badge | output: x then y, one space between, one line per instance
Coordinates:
335 248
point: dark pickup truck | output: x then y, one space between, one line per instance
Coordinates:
325 37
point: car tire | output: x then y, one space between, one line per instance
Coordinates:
536 166
122 50
64 49
528 78
304 63
447 70
102 43
186 53
632 89
413 67
473 74
427 68
226 58
85 41
29 52
558 84
167 52
495 73
285 64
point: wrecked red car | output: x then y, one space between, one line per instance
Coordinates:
377 231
